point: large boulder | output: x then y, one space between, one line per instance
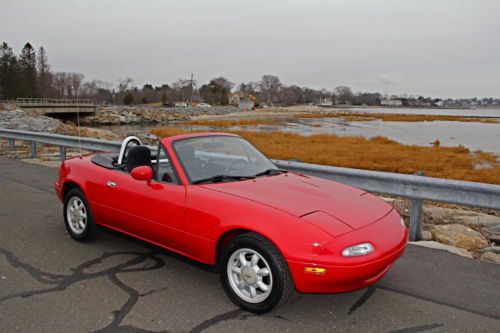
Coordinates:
493 233
459 236
441 215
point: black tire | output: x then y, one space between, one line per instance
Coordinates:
90 229
282 283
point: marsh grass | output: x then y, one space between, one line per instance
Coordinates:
379 153
359 116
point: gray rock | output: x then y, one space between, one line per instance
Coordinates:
440 246
459 236
426 235
440 215
494 249
492 233
491 257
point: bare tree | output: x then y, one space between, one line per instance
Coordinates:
75 81
344 94
125 84
182 89
248 89
269 86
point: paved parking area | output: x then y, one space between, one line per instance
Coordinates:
50 283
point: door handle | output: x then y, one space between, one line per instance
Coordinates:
111 183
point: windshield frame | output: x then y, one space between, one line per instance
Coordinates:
183 166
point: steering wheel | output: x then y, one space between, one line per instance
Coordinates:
231 165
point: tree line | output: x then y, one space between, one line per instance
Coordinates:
29 74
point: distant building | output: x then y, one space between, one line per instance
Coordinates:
234 98
439 103
327 101
391 102
245 104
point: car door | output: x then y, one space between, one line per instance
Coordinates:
154 211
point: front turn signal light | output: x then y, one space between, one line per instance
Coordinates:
315 270
358 250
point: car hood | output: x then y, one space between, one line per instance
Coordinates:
301 195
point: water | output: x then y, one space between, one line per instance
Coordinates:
475 136
481 112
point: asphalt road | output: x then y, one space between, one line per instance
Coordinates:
50 283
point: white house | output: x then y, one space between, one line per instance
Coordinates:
391 102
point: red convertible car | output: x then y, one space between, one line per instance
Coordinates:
215 198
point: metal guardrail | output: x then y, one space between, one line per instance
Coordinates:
53 102
414 187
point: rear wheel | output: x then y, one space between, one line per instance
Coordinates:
254 274
77 216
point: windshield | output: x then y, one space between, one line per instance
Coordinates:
212 156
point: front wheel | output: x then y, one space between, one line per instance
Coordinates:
254 274
78 217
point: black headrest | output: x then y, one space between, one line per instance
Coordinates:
138 156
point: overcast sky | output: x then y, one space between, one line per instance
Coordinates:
440 48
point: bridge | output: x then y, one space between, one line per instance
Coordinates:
52 106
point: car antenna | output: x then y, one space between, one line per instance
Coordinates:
78 125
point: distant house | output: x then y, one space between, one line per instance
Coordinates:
234 98
245 104
326 101
391 102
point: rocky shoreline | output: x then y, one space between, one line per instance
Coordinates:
124 115
471 233
467 232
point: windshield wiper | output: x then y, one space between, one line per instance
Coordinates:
270 172
220 178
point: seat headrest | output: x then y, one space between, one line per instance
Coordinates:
138 156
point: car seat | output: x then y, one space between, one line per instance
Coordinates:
138 156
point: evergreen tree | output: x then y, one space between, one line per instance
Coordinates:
27 71
8 73
44 78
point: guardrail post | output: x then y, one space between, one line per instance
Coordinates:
415 219
62 152
12 144
416 216
33 149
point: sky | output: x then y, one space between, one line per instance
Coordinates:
438 48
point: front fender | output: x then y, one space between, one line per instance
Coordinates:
211 214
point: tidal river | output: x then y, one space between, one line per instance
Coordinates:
473 135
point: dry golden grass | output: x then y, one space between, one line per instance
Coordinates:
359 116
378 153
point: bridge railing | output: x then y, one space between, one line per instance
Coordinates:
416 188
53 102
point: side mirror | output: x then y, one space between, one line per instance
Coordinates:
144 173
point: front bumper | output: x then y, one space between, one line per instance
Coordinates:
58 189
347 274
340 278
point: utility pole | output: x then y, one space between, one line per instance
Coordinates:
191 92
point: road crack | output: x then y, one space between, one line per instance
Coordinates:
60 282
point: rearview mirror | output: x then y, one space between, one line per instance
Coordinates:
144 173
